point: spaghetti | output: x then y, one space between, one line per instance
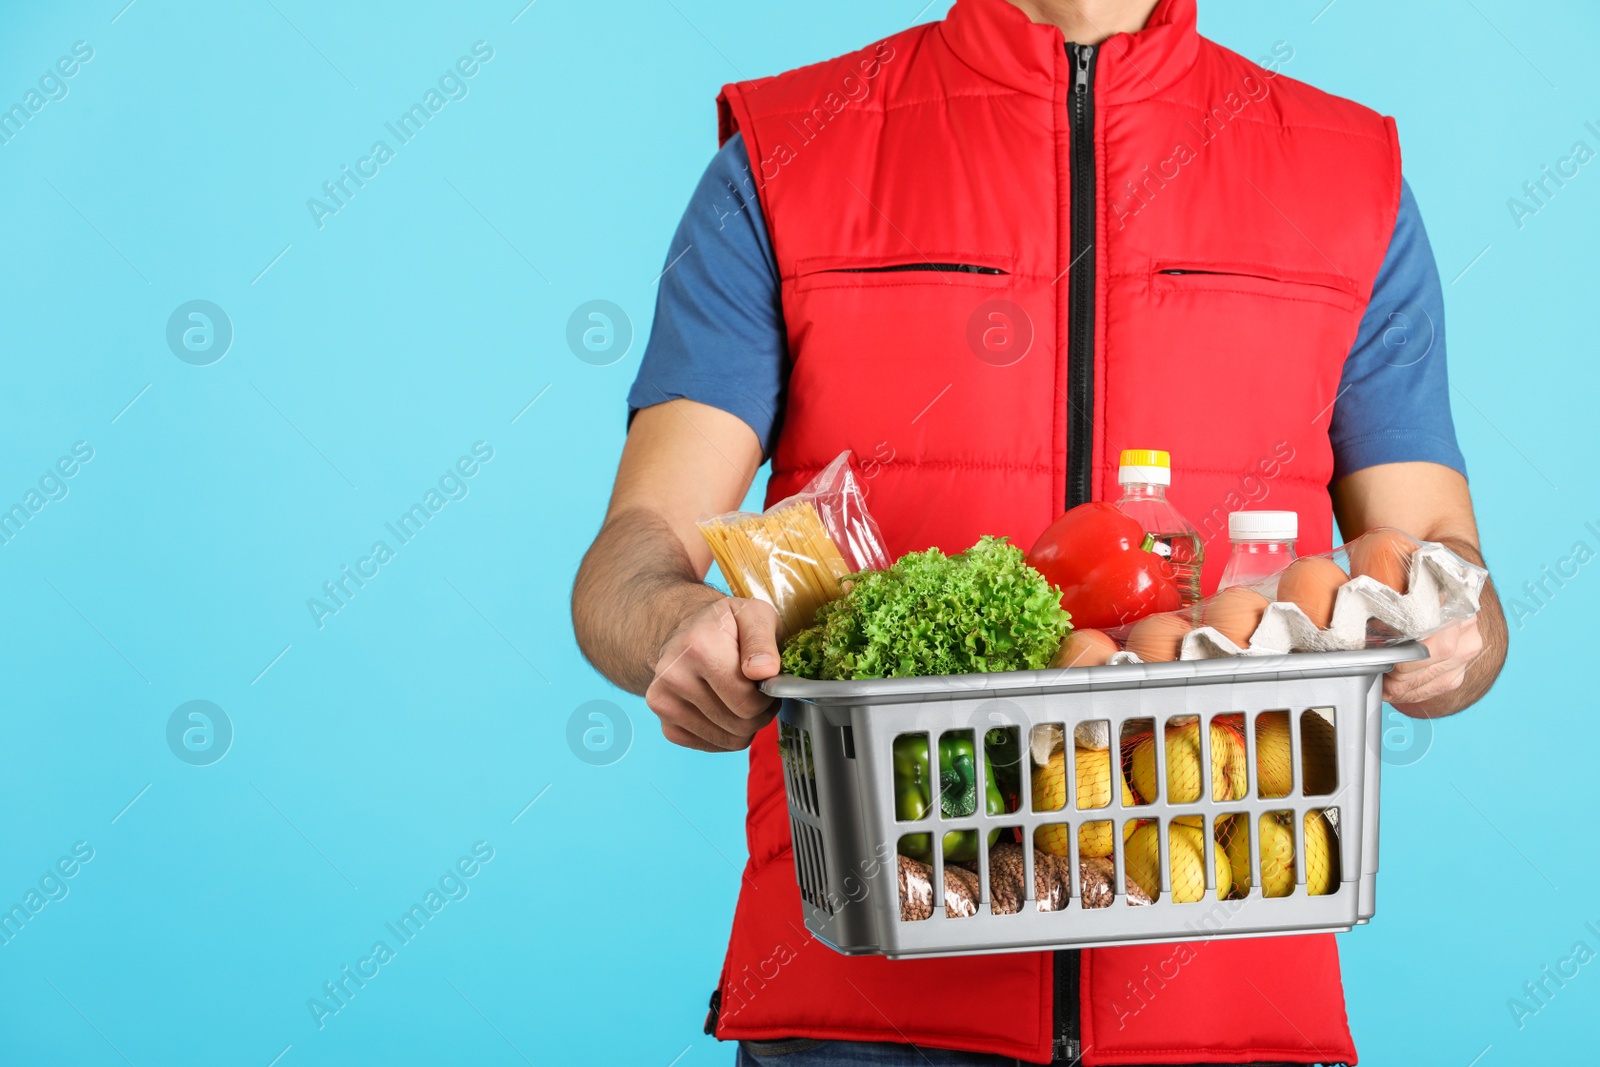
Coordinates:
783 557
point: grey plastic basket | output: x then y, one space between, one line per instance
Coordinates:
837 740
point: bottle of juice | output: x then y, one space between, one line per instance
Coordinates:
1263 544
1144 476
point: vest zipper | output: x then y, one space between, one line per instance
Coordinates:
1080 300
1067 1047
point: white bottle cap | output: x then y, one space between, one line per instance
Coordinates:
1144 476
1263 526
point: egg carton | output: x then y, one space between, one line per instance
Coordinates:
1441 589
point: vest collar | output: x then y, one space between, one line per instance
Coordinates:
997 40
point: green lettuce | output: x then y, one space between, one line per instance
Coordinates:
979 611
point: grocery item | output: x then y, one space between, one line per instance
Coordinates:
1312 584
796 554
1003 753
1085 648
1274 766
782 557
927 614
1052 887
1235 613
1101 561
1319 753
1384 555
1274 755
1158 638
1093 771
1322 854
1144 475
1233 834
1261 545
1229 777
957 792
1314 606
1097 877
916 890
1277 854
1188 850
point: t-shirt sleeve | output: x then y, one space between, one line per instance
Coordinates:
718 336
1393 404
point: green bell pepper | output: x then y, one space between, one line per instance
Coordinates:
958 794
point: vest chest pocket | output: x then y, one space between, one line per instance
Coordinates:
966 269
1263 280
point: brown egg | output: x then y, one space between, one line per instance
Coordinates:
1383 554
1312 583
1085 648
1159 638
1235 612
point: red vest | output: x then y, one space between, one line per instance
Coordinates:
1239 220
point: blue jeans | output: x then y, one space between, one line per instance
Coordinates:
804 1052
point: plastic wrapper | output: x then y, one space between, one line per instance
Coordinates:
1052 886
916 890
795 554
1384 588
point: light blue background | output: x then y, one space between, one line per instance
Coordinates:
429 712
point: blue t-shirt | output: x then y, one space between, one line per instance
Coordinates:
719 334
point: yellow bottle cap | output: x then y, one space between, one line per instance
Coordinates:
1145 457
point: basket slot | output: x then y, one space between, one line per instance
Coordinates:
799 767
1319 752
1048 781
1273 763
811 864
1321 871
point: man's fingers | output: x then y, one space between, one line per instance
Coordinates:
1470 645
705 690
1405 689
1448 683
678 710
758 639
684 739
1441 648
1448 650
707 675
745 629
737 698
731 703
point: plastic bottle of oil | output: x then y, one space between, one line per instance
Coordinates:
1144 475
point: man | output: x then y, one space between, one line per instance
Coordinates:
987 254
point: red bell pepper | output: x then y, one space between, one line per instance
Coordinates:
1101 561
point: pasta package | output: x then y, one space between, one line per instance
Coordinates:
796 554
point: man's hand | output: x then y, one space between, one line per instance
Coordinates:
642 613
1451 651
705 690
1432 503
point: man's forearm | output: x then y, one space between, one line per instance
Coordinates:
1486 668
635 587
